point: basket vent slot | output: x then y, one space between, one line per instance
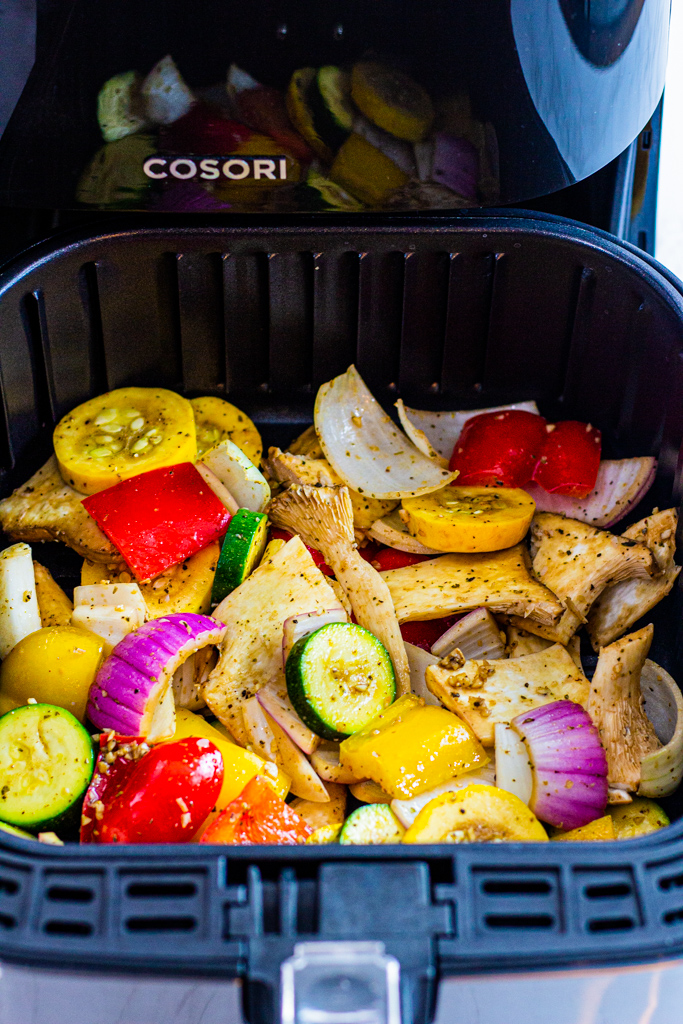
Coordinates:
148 890
8 886
77 929
7 921
515 921
523 900
605 892
611 924
671 882
161 924
673 916
67 894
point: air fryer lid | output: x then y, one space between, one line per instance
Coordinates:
443 105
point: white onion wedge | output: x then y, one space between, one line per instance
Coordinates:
111 610
620 486
392 531
296 627
366 448
274 699
326 762
305 781
418 437
188 679
219 489
258 731
513 768
661 772
407 810
476 635
238 474
19 613
418 662
442 429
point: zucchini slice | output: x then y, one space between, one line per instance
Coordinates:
339 678
334 86
371 825
243 547
46 762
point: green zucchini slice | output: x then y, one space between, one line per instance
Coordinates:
371 825
339 678
243 547
46 763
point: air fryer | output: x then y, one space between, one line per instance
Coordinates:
270 288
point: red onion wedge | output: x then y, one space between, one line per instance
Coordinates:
569 765
513 767
476 635
298 626
273 697
621 484
132 693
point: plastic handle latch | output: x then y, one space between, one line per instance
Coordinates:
340 983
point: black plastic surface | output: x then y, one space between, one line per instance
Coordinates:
445 314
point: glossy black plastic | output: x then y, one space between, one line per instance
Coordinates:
543 92
445 313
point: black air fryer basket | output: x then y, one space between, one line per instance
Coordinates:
445 314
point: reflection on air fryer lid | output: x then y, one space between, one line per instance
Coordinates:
364 137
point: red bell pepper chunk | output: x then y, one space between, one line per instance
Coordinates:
277 534
390 558
569 459
160 518
498 449
258 815
164 796
203 130
264 110
424 634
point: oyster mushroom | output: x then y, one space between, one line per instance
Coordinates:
323 518
577 562
616 706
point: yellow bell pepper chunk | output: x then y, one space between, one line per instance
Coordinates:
412 747
239 765
600 829
476 814
470 518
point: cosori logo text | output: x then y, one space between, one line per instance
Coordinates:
234 168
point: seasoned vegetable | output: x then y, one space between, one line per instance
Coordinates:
339 678
568 764
638 818
19 614
499 449
110 610
513 763
442 429
662 770
620 485
274 698
411 747
305 783
55 665
323 517
238 474
371 825
368 792
317 815
120 107
162 797
132 693
46 761
183 587
391 530
115 176
569 459
251 653
326 762
476 814
419 661
469 518
45 508
301 114
296 627
54 606
598 830
393 100
324 835
242 550
484 693
217 420
407 810
476 635
159 518
258 816
363 445
499 581
122 433
166 95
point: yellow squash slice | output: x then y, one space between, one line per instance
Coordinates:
470 518
476 814
217 420
122 433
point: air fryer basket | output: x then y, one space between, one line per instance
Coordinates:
446 314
